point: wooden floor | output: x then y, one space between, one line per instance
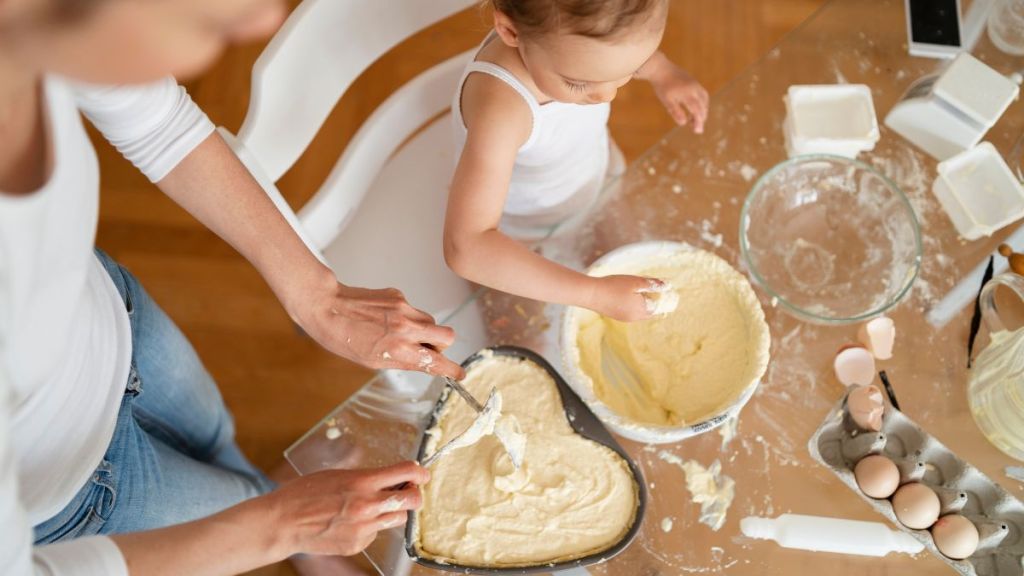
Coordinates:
276 382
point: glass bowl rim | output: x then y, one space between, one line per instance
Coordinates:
797 310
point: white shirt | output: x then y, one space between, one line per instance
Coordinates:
562 164
65 340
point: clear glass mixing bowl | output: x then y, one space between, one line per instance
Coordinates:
830 238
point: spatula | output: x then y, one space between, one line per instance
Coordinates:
509 436
620 374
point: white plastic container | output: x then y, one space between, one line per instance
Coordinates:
822 534
979 192
830 119
947 113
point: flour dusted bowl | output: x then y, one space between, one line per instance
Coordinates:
830 238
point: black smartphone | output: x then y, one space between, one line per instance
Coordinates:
934 28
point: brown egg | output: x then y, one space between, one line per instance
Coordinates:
866 407
955 536
877 476
916 505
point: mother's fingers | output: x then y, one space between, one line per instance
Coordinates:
368 506
432 336
382 478
416 314
433 362
388 501
412 355
391 520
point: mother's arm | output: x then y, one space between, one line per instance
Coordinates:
330 512
161 131
377 328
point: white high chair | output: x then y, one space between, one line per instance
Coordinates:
377 219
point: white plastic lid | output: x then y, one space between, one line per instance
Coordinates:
976 90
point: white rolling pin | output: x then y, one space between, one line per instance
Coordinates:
966 290
821 534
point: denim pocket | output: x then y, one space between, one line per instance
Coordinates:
86 514
129 302
134 385
88 523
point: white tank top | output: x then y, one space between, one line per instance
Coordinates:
561 167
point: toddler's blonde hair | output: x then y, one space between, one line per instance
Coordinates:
591 18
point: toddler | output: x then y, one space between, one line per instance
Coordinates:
531 117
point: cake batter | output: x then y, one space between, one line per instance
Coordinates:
693 362
572 497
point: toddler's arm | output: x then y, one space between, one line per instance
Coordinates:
499 122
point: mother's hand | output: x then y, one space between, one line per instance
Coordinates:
376 328
340 512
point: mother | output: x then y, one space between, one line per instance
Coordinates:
108 422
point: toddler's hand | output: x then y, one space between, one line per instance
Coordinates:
622 297
682 95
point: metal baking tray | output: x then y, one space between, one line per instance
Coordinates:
586 424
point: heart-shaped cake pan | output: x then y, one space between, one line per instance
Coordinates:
584 423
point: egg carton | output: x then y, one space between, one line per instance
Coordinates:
839 444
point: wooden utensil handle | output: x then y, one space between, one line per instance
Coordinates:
1016 260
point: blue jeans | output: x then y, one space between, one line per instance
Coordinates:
173 456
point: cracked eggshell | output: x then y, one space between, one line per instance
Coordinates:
866 407
855 365
878 336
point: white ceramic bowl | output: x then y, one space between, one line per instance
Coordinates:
639 254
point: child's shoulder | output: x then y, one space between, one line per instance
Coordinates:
507 59
490 103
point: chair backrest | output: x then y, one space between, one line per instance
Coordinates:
322 47
405 112
313 59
